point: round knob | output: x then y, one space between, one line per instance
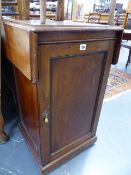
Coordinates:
46 119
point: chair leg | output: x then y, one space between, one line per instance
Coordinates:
129 58
3 136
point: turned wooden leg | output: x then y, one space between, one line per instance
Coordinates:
3 136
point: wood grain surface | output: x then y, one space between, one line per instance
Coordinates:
70 64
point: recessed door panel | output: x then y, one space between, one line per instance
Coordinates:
74 85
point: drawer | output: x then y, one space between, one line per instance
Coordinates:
77 48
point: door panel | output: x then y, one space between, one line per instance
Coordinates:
74 86
69 88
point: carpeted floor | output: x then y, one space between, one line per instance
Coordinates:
118 82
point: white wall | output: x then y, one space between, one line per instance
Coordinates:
88 4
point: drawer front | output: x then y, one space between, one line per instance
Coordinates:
17 45
63 49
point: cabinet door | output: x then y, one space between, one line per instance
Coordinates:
70 83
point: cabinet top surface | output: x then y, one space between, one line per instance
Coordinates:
36 26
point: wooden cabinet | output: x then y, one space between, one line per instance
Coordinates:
61 75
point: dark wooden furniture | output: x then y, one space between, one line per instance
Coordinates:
16 5
128 46
127 36
16 13
3 136
60 10
20 11
61 75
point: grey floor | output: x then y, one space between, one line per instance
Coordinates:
111 155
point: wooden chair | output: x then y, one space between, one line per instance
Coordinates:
127 33
128 11
128 46
86 16
94 17
121 19
58 15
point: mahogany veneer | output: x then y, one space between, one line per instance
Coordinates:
60 87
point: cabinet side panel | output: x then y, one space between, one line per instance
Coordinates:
27 97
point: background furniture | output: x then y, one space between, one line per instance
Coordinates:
120 19
127 33
10 9
94 17
53 12
128 46
104 18
35 9
62 71
101 18
3 136
16 9
127 36
99 8
128 11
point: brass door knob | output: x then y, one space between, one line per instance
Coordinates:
46 119
45 116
